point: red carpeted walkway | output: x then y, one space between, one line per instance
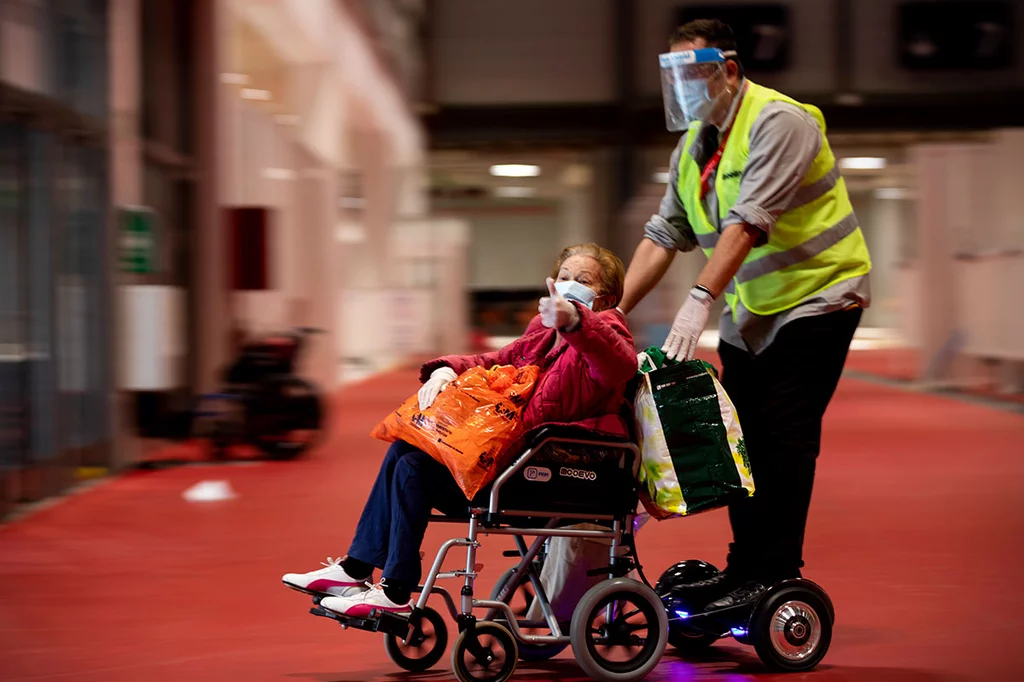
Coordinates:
916 531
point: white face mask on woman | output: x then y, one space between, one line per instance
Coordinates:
572 290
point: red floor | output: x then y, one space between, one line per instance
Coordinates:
916 532
901 364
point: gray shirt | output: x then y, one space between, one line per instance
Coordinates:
784 141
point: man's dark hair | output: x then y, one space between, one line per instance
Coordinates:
713 32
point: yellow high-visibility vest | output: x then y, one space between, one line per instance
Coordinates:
815 243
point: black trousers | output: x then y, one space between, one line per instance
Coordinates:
780 397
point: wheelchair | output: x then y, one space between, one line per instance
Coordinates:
263 402
564 477
620 628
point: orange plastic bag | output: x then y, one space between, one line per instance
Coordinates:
471 424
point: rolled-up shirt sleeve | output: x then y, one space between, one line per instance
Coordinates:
784 141
670 228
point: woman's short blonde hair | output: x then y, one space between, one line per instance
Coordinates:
613 272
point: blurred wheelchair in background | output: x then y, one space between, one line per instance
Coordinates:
262 401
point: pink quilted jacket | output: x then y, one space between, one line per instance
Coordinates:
582 379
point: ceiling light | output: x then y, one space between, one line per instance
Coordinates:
661 177
515 192
253 93
850 99
891 193
862 163
278 173
234 78
353 203
515 170
350 234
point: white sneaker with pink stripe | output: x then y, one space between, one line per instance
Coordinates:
330 580
363 604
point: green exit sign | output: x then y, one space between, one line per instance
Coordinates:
138 239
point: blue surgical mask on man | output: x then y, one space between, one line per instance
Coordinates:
571 290
695 99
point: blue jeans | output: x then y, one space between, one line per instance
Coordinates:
409 484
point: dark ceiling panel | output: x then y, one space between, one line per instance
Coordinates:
589 125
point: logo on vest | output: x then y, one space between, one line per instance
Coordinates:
538 474
581 474
732 174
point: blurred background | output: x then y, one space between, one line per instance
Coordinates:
179 178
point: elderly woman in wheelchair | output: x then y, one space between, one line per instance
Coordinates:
584 349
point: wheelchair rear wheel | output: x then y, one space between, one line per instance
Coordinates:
521 601
616 615
424 646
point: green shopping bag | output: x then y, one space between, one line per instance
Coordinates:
693 457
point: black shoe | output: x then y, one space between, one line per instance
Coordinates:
744 595
694 596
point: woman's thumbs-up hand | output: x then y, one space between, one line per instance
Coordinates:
555 311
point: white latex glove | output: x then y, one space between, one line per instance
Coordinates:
690 321
439 378
555 311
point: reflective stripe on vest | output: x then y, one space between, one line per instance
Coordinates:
815 243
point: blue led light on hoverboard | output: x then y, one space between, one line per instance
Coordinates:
739 632
683 614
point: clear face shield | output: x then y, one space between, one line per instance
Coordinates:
692 84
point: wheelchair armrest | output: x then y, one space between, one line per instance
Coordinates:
573 433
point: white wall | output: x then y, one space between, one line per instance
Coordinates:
512 251
971 267
251 144
886 224
531 51
22 45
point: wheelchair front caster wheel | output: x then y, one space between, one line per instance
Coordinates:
487 653
425 644
619 631
791 628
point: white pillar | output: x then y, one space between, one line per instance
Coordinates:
126 189
453 287
577 219
210 279
938 310
886 231
1007 173
379 192
125 102
317 250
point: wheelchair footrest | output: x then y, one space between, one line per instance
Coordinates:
379 621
